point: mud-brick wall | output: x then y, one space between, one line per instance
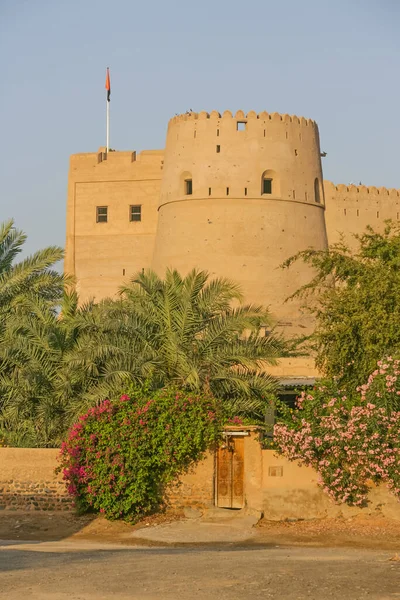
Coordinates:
195 488
28 480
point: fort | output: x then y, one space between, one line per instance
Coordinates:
234 194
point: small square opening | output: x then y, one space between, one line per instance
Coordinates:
241 125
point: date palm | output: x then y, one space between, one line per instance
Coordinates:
29 292
21 283
191 332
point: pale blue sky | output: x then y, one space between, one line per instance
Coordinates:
336 61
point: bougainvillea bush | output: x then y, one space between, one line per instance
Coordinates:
121 455
348 441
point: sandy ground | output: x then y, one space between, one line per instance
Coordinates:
62 556
365 533
204 573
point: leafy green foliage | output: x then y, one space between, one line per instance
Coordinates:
355 297
121 456
24 283
30 291
181 331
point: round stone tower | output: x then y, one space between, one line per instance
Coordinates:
239 195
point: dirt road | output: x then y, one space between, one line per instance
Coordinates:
78 571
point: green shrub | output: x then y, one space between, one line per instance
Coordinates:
121 455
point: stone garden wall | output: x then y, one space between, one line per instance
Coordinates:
28 480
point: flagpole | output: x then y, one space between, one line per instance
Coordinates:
108 88
108 125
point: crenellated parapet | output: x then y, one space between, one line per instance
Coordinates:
361 190
240 115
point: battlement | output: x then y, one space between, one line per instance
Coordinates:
360 189
114 158
241 116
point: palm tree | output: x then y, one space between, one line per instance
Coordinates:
191 332
37 383
21 284
29 293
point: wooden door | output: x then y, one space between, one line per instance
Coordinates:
230 471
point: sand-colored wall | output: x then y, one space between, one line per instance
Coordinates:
291 491
104 256
350 209
28 480
227 225
272 485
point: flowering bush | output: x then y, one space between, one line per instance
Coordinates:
349 441
120 456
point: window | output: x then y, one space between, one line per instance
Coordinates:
241 125
267 186
101 214
218 149
217 132
209 191
188 187
135 212
245 191
316 191
227 191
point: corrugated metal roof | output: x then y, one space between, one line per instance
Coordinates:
295 382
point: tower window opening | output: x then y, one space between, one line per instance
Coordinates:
135 212
245 191
345 211
377 214
264 132
188 187
294 194
358 213
218 149
101 214
306 196
316 191
123 271
209 191
195 133
241 125
227 191
267 186
217 132
295 152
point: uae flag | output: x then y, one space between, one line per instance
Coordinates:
108 85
